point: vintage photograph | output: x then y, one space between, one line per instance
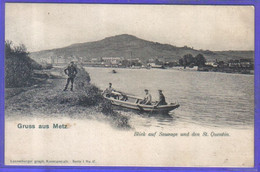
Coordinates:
129 85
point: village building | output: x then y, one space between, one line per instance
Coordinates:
112 61
213 64
246 63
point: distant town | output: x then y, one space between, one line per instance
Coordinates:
188 62
129 51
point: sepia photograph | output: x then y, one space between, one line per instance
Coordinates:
129 85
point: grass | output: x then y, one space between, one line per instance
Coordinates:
48 99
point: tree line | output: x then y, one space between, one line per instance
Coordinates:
189 60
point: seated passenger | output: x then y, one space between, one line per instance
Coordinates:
124 97
161 99
109 92
147 99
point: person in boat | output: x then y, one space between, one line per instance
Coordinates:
71 71
109 92
124 96
161 99
147 98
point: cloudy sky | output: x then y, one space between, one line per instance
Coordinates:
48 26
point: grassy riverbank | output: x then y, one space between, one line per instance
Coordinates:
47 98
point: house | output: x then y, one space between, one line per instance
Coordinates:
233 63
112 61
245 63
95 60
213 64
135 60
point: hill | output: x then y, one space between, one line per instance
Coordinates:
129 46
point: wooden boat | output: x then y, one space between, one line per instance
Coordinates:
133 103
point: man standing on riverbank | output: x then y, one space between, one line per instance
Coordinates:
71 71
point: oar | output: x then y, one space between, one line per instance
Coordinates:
153 109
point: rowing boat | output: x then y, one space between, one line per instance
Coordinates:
133 103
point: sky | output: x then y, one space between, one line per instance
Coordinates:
49 26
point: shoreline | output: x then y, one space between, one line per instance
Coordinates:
178 68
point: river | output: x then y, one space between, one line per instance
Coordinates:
209 99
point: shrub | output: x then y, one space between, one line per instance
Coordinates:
18 66
90 95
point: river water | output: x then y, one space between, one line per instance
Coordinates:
208 99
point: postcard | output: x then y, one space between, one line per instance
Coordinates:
129 85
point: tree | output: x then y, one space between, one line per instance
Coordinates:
181 62
8 48
200 60
125 63
17 50
187 60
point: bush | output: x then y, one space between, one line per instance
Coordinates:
18 66
90 95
